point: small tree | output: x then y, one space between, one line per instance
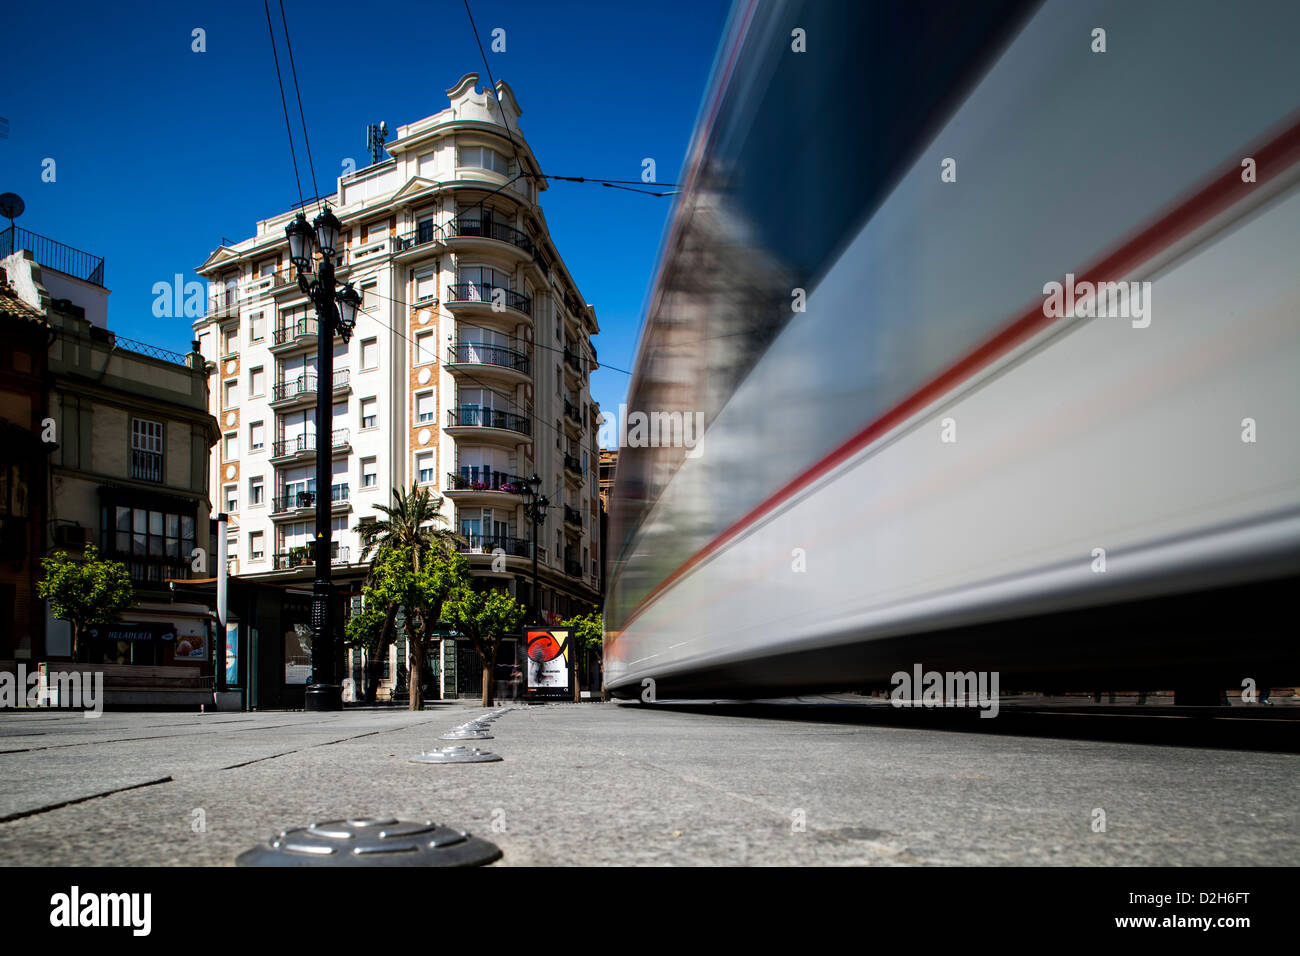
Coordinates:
587 632
84 593
396 582
485 617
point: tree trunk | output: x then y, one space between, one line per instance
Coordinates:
416 677
489 674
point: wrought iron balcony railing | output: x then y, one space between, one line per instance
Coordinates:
572 516
471 353
291 501
306 384
304 443
488 229
473 479
488 418
487 543
300 327
304 557
146 466
572 464
53 254
489 294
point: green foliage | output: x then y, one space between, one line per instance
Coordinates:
588 629
483 616
411 523
366 629
85 593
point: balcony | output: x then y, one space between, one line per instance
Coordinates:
573 568
572 516
572 411
304 558
473 481
487 544
146 466
299 501
573 465
290 449
488 236
491 360
426 235
303 388
480 298
295 335
492 424
572 362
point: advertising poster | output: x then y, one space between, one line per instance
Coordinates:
232 654
549 659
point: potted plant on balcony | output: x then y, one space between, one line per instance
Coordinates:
299 556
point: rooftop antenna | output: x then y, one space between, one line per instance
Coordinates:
375 136
11 207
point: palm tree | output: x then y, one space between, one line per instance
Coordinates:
411 522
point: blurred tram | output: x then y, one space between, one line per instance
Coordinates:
910 455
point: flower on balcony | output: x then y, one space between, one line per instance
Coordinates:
480 486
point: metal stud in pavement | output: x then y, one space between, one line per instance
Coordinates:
455 754
372 842
462 734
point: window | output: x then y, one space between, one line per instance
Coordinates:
256 327
230 395
256 436
256 382
230 340
369 354
369 412
426 286
369 473
232 498
424 467
377 230
424 407
230 446
154 545
423 348
146 450
256 491
483 157
266 268
256 546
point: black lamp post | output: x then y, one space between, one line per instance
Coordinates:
535 508
336 311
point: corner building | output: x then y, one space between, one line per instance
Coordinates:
468 371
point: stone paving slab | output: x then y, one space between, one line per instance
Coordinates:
622 784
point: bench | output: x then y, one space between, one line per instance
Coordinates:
137 685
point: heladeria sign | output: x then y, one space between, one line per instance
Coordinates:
549 664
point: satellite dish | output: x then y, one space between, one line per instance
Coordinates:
11 206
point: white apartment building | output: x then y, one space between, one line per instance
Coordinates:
468 369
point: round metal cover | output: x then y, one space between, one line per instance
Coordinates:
455 755
462 734
372 842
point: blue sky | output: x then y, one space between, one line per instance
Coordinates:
161 151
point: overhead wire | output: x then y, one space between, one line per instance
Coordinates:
283 102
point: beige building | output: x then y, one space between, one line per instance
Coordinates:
468 370
129 470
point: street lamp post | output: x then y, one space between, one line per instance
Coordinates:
336 311
536 510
